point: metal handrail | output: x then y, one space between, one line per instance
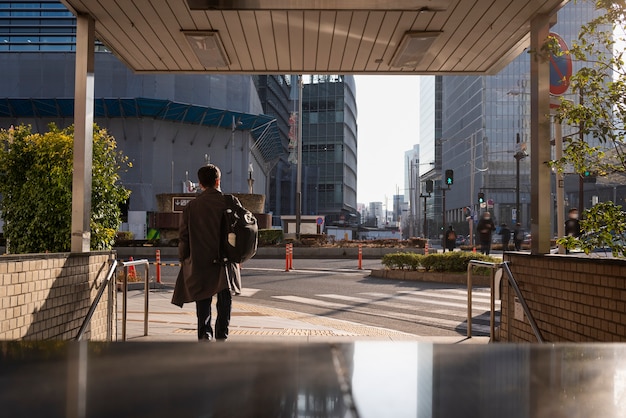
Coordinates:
95 302
126 265
494 266
531 319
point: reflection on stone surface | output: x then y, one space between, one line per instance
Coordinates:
364 379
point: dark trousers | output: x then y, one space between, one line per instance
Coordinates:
485 247
203 312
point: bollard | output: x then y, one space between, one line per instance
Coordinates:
291 256
286 257
426 248
360 256
474 250
158 266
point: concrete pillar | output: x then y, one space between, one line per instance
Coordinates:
540 173
83 133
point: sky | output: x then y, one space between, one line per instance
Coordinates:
387 119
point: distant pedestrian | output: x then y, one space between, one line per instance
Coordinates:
506 236
450 239
485 229
572 224
518 236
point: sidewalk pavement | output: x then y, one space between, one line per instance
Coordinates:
251 322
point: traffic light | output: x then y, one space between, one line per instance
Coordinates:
449 177
429 186
589 177
481 198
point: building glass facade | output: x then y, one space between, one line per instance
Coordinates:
329 147
430 205
483 117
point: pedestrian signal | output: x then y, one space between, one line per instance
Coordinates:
481 198
449 177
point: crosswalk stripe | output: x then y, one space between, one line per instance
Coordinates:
419 319
431 301
461 296
395 304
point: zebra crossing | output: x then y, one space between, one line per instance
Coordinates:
441 308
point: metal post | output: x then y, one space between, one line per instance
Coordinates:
469 301
560 186
540 131
581 182
83 134
425 220
299 160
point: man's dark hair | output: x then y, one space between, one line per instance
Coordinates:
208 175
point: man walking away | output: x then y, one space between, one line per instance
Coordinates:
201 275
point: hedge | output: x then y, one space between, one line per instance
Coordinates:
456 261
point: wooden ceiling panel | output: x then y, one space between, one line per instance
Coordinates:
268 48
388 27
325 38
340 37
354 39
311 37
477 36
282 40
370 34
295 20
248 21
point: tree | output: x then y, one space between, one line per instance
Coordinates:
36 189
600 114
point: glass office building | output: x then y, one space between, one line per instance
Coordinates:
430 204
329 150
486 122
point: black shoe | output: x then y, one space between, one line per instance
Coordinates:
206 338
221 340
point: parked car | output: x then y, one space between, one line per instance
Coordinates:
461 240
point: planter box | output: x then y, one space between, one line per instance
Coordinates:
424 276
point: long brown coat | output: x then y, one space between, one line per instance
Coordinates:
200 277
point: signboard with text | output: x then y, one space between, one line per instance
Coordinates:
179 203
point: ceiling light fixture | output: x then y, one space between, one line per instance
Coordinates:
208 47
412 48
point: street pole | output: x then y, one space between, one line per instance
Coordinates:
581 184
299 162
425 196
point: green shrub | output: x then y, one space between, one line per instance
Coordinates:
402 261
270 236
36 188
456 261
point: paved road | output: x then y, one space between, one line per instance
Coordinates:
337 289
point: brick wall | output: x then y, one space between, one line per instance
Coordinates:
47 296
577 299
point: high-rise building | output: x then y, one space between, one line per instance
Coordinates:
329 148
275 96
429 220
486 122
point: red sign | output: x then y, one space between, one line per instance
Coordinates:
560 68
